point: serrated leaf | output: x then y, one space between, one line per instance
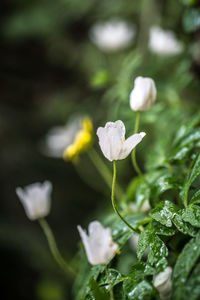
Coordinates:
140 291
140 270
160 229
184 264
143 242
114 278
182 226
157 251
192 215
195 198
164 213
193 175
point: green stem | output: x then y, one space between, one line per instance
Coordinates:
103 170
54 249
113 197
133 155
109 282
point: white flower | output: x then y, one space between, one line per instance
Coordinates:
162 282
59 137
164 42
112 140
36 199
112 36
143 94
99 245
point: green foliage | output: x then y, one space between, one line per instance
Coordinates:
184 264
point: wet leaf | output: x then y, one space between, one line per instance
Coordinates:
192 288
192 215
184 264
138 291
192 176
164 213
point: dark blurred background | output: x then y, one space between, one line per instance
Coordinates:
50 69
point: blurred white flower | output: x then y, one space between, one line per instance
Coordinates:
162 282
145 207
36 199
99 245
143 94
59 137
112 35
164 42
112 140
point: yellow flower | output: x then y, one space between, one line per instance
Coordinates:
82 141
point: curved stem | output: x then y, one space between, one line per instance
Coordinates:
103 170
133 155
109 282
113 197
54 249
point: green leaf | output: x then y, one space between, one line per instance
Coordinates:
183 227
138 291
120 231
193 175
140 270
86 273
160 229
115 278
144 242
157 249
184 264
186 144
98 292
157 253
192 288
164 213
195 198
192 215
168 214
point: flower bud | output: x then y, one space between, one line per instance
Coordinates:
162 282
99 245
36 199
112 140
143 94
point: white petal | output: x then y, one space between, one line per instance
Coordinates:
131 143
99 245
111 139
87 245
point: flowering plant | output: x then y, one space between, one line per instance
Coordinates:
155 219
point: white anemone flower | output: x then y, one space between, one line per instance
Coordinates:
59 137
112 35
36 199
112 140
99 245
143 94
164 42
162 282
